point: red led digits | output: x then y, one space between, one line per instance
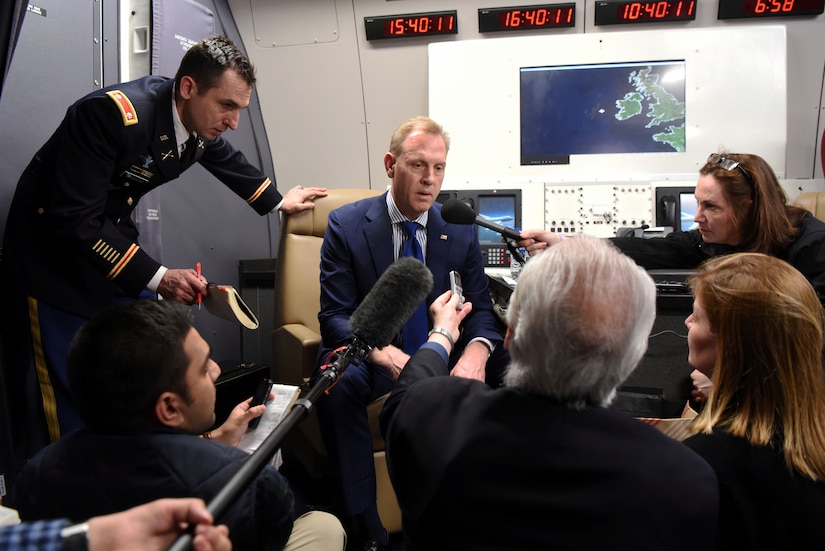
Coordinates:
663 9
773 7
740 9
614 13
526 17
413 24
538 18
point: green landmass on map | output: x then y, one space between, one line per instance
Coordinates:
663 107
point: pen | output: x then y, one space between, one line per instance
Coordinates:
198 270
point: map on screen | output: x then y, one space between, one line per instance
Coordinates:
569 110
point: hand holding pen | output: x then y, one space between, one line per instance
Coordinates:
198 274
182 285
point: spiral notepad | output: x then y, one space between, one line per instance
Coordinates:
225 301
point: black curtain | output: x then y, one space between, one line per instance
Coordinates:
11 19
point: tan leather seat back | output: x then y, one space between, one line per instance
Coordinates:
297 289
813 201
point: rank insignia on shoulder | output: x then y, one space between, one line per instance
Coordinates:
127 110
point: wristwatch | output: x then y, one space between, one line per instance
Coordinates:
75 537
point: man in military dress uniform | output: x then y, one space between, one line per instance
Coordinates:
70 245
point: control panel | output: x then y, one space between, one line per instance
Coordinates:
495 255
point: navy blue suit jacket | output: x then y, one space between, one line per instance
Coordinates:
358 248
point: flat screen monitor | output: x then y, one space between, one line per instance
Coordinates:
604 108
499 208
687 210
502 206
676 207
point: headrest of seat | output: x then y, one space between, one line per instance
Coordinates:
314 222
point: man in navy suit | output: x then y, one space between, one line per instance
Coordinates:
71 247
361 241
542 462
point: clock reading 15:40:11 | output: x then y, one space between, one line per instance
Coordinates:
644 11
411 24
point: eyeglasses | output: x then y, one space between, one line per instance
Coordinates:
728 164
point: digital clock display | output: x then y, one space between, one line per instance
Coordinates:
526 17
615 13
411 24
740 9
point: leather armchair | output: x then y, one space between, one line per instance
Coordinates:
813 201
296 337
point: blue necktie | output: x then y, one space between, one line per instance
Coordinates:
414 332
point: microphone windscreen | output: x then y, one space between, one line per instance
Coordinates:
391 301
456 211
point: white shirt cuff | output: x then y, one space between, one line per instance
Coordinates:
155 281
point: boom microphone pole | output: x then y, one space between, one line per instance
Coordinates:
380 316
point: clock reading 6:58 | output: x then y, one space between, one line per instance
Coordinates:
735 9
772 6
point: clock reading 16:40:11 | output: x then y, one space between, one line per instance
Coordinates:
526 17
644 11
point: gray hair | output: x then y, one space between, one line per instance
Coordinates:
580 318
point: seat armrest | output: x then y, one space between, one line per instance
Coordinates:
373 413
294 350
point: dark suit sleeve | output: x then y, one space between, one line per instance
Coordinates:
230 166
678 250
807 253
339 290
424 364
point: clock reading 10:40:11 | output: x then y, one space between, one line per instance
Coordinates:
644 11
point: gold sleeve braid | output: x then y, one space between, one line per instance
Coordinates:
254 197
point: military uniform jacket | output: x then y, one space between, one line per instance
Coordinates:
70 238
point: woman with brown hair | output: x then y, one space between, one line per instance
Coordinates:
740 208
757 331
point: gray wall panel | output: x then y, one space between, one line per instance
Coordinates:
56 35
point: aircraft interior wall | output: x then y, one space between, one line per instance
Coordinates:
355 91
329 100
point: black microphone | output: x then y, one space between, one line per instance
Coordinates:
456 211
384 311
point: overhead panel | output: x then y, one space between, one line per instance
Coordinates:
294 23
